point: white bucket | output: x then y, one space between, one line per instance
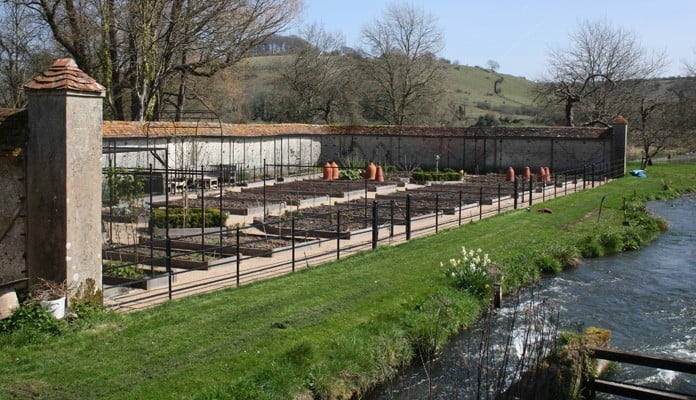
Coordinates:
55 307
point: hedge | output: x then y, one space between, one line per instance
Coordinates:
436 176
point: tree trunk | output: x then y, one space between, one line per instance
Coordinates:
570 113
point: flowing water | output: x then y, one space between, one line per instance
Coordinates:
647 298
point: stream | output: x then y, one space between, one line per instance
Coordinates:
647 298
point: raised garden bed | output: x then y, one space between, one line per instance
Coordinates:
250 244
146 283
308 227
357 214
306 193
134 276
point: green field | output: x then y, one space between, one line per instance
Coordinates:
326 332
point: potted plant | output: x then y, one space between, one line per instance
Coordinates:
51 295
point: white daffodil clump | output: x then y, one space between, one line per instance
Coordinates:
470 272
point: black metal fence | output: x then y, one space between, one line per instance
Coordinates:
144 250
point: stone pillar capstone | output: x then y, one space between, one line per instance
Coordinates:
63 176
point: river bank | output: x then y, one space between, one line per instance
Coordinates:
644 298
330 331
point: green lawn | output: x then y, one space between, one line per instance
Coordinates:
327 331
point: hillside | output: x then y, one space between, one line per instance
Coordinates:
473 87
469 91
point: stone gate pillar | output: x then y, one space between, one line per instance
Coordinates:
63 175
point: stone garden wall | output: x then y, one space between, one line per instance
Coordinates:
476 150
12 224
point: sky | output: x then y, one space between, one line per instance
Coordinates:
518 34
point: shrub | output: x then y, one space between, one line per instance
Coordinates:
611 242
470 272
30 323
631 240
547 263
591 247
567 255
193 218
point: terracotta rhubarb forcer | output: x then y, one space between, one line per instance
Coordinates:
510 176
527 173
371 171
334 170
541 175
379 174
326 171
547 176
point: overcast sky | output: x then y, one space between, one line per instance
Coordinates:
518 34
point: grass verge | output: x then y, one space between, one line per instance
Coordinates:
329 331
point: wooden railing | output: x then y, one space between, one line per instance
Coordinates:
637 391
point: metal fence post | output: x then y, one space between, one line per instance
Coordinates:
499 198
239 256
460 206
593 175
338 234
531 190
151 226
263 178
543 191
391 218
481 203
220 183
408 216
584 177
366 179
375 224
524 190
437 211
202 183
169 265
292 238
515 185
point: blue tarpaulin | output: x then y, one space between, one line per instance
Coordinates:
639 173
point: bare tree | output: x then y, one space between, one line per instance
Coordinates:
493 65
145 51
400 64
598 74
652 128
22 53
317 79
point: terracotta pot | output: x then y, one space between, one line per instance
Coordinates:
510 176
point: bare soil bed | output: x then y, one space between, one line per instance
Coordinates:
357 214
291 193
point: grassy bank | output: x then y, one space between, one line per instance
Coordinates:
329 331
